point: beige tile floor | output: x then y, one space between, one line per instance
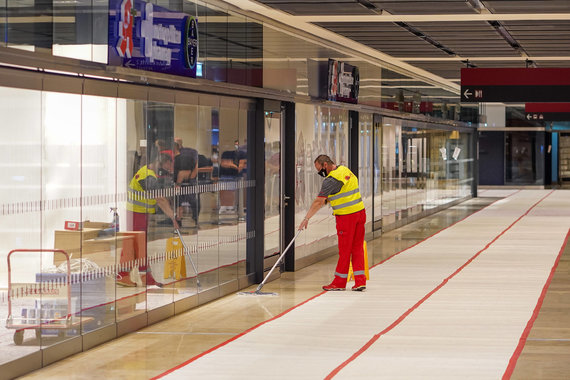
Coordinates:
152 351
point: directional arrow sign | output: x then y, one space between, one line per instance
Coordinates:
548 111
515 85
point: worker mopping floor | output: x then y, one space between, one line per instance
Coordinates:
258 292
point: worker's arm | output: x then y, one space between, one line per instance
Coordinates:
316 206
164 205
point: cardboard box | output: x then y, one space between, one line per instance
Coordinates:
70 241
100 225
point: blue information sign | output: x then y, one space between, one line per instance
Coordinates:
148 37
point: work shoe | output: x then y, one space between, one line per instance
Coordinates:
150 281
333 287
359 288
123 279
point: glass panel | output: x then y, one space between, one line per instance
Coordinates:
377 172
237 49
400 175
31 36
81 29
247 121
105 247
208 233
132 269
390 175
365 165
21 221
320 130
213 45
439 154
61 189
272 183
415 175
232 170
466 160
160 139
192 149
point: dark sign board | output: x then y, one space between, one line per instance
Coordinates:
547 111
145 36
515 85
343 82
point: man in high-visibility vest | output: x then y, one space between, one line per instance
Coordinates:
142 199
143 195
340 190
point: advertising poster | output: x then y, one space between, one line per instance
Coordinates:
343 82
148 37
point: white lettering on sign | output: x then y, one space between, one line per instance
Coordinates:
152 33
478 93
345 82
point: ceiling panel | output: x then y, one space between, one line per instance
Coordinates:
468 39
448 69
387 38
413 7
319 7
528 6
540 38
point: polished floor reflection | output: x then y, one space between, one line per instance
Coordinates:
165 345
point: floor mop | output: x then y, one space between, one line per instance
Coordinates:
258 291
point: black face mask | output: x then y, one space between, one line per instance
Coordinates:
322 172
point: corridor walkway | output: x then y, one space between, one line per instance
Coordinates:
454 295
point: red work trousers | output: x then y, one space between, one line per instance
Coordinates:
350 233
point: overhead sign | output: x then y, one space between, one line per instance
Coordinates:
343 82
148 37
515 85
547 111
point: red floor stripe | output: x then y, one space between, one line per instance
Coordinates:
513 361
451 225
234 338
294 307
417 304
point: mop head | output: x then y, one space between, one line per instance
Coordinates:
257 293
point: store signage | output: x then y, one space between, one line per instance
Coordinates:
547 111
343 82
515 85
148 37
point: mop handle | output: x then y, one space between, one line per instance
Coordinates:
278 261
188 251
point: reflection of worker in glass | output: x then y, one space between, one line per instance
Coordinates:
340 189
141 202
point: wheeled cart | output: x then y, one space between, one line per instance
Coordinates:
52 308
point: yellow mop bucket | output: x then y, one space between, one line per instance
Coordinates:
175 264
366 271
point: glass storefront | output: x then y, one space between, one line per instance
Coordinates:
319 130
423 167
406 169
71 162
